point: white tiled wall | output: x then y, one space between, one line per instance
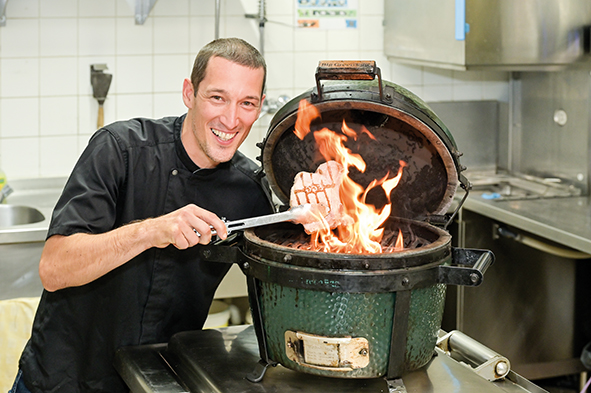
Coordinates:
47 112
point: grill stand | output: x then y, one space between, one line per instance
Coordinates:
253 297
399 335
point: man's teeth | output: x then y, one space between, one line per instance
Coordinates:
223 135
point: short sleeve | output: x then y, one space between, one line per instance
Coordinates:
88 203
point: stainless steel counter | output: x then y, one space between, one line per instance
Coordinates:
21 244
566 221
218 360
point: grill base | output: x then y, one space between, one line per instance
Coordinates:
357 315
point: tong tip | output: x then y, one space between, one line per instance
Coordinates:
310 212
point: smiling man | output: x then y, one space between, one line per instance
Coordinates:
118 266
221 110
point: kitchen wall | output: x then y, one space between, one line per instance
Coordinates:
47 111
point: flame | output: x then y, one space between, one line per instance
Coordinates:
365 234
399 246
306 113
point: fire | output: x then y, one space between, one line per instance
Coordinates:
365 234
306 113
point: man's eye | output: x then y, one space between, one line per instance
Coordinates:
216 98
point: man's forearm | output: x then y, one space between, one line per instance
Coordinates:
68 261
78 259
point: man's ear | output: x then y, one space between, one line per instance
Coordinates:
188 93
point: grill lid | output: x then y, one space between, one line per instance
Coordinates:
404 127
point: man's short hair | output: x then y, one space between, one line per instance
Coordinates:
235 50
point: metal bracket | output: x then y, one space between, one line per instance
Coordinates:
467 186
2 12
219 254
263 364
483 360
259 371
468 269
397 356
396 386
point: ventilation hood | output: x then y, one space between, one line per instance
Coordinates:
488 34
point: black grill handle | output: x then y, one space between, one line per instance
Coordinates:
224 251
347 70
468 267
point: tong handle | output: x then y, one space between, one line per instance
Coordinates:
253 222
262 220
295 213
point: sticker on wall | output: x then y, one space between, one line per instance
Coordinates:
326 14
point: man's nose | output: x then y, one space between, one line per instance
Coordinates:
230 117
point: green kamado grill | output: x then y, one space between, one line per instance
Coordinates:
357 315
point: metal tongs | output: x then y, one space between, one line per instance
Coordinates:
301 214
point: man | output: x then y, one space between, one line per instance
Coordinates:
118 266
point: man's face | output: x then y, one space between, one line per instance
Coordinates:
220 115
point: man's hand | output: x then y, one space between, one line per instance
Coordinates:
185 227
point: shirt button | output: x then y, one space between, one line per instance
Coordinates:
175 172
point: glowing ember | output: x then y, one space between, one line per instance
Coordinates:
365 233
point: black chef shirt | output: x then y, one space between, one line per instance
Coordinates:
130 171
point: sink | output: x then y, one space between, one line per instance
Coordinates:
11 215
